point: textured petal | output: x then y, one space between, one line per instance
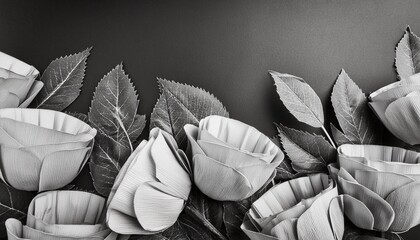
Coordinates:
192 134
286 230
33 91
258 175
168 169
403 116
60 168
123 224
156 210
382 212
14 229
20 168
336 217
379 109
12 64
219 181
405 202
357 212
315 223
382 183
252 232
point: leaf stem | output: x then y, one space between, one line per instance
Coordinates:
197 215
328 136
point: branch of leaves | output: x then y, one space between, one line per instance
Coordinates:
309 152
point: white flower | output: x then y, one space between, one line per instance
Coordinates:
384 182
151 189
18 86
398 107
59 215
231 160
305 208
42 149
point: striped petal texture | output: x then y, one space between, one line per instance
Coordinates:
18 86
303 208
62 215
151 188
231 160
384 182
42 149
398 107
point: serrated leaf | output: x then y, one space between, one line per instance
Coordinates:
13 204
299 98
284 170
181 104
308 152
62 80
407 59
113 114
352 112
211 210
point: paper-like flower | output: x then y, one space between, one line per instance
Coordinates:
59 215
151 188
18 86
42 149
385 182
398 107
305 208
231 160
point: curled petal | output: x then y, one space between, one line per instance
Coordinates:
405 202
219 181
192 135
252 232
286 230
356 211
382 212
33 91
156 210
403 116
395 92
8 99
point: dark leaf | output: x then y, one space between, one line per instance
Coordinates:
351 232
113 114
62 79
308 152
13 204
81 116
180 104
176 232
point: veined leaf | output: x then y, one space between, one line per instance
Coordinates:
113 114
309 153
299 98
176 232
13 204
407 59
339 137
81 116
352 112
180 104
62 80
284 170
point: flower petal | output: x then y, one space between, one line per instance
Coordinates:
382 183
357 212
14 229
8 99
336 217
315 223
219 181
405 202
252 232
60 168
33 91
403 116
20 168
156 210
192 134
286 230
395 91
381 210
123 224
12 64
168 169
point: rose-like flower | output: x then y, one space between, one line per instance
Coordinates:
306 208
151 188
385 182
18 86
398 107
42 149
231 160
59 215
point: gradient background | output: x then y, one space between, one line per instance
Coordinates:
224 47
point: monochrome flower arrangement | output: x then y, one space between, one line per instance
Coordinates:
201 174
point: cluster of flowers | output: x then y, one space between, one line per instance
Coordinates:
376 187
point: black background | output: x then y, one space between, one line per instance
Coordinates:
225 47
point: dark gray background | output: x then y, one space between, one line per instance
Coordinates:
224 47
